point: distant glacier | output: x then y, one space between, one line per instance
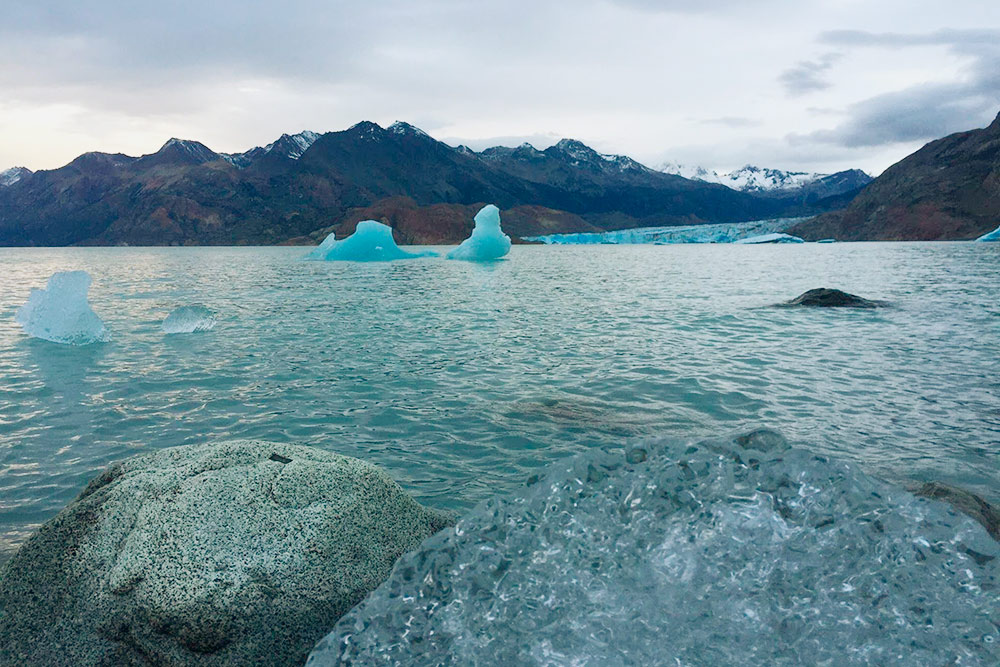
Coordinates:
710 233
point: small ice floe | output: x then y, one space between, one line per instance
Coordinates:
776 237
60 312
188 319
487 242
992 236
371 242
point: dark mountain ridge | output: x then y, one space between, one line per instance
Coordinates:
947 190
303 185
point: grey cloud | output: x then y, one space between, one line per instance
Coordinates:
731 121
924 112
679 6
809 75
946 37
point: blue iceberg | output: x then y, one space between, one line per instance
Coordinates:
371 242
705 233
487 241
188 319
775 237
742 550
60 312
992 236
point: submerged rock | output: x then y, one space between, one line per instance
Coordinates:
487 242
234 553
60 313
188 319
824 297
371 242
966 502
729 551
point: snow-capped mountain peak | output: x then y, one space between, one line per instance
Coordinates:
293 144
581 153
13 175
399 127
763 181
187 150
748 178
287 145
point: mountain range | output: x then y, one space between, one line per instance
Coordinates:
303 186
775 182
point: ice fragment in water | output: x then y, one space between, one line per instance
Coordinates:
188 319
487 241
60 312
371 242
725 551
776 237
991 236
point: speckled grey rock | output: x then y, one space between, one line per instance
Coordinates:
234 553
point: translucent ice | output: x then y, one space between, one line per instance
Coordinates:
371 242
188 319
776 237
707 233
729 551
60 312
991 236
487 241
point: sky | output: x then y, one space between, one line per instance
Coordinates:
808 85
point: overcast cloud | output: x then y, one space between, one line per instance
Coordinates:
809 85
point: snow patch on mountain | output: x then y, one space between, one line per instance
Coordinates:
299 143
13 175
748 178
399 127
287 145
575 152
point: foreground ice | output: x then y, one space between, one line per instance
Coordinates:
487 241
991 236
371 242
734 551
775 237
60 312
188 319
708 233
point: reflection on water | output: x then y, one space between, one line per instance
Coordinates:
461 378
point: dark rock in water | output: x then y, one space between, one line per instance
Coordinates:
232 553
824 297
965 502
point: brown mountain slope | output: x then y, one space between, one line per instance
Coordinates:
947 190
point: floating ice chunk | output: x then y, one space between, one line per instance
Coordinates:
776 237
371 242
319 252
992 236
188 319
487 241
747 549
60 312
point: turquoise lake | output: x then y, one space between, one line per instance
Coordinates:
463 379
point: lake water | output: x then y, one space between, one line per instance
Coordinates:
462 379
